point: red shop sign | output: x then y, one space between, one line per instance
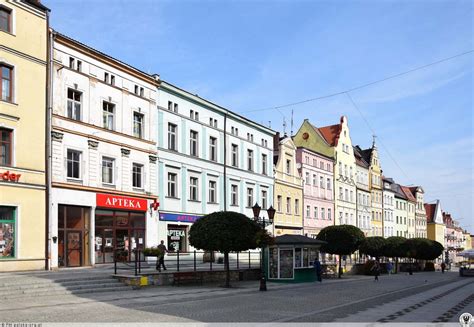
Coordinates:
120 202
7 176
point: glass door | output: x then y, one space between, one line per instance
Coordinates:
74 249
122 238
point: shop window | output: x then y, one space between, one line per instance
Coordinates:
7 232
177 236
6 146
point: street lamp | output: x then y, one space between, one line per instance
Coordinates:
263 222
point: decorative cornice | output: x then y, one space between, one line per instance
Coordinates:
125 152
57 136
153 159
93 144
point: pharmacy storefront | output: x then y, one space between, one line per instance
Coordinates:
89 233
174 230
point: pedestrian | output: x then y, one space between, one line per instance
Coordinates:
443 267
318 269
389 268
161 256
376 269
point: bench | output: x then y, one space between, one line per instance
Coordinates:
186 277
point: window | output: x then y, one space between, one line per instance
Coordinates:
79 66
107 170
235 155
112 80
340 168
346 195
233 195
352 196
138 124
170 105
74 104
345 170
264 200
137 176
196 116
172 183
175 107
315 163
264 164
193 188
5 19
315 213
135 90
249 160
288 205
6 87
71 62
108 110
329 213
288 166
172 135
321 181
322 213
328 184
7 230
250 197
212 192
193 143
307 178
321 165
6 147
142 92
297 206
340 193
308 211
106 78
279 199
191 114
315 180
73 164
213 148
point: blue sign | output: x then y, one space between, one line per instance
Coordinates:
178 217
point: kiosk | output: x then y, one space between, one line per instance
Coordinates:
290 259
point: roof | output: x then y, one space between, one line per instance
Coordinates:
37 4
331 133
297 239
430 211
359 159
388 179
367 154
408 194
398 191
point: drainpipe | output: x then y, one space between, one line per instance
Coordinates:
49 97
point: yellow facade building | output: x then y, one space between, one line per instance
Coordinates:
436 229
23 74
288 189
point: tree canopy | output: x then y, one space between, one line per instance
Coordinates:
373 246
395 247
341 239
423 249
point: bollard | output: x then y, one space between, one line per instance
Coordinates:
194 260
177 260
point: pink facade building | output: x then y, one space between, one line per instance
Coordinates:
318 193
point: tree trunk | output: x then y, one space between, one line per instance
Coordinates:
227 269
339 273
396 265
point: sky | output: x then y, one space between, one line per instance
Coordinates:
252 55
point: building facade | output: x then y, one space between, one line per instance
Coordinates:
420 213
436 229
338 137
288 188
23 103
211 159
316 167
104 157
401 213
411 205
389 225
364 207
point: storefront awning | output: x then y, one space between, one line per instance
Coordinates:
296 240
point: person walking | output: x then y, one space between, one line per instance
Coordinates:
443 267
389 268
376 270
318 269
161 257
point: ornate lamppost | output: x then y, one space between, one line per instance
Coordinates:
264 223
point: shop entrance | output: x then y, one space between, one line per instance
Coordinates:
120 232
73 236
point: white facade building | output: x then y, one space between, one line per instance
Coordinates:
211 159
401 213
389 224
363 193
103 159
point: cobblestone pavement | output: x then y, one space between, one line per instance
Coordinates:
426 296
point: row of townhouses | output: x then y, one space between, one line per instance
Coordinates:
98 156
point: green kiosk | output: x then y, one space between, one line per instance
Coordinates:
290 259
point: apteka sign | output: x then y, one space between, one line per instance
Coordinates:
120 202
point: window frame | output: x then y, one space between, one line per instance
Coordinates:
74 102
234 155
106 114
172 185
193 188
141 173
234 195
10 146
194 143
78 162
141 123
12 221
249 197
250 166
173 135
212 191
213 148
112 173
11 81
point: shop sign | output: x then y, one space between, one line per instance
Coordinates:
9 177
178 217
176 234
120 202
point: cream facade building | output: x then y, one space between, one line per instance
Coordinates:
23 103
411 205
364 207
401 213
288 188
420 213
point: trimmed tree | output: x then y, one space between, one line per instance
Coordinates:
373 246
424 249
226 231
395 247
341 240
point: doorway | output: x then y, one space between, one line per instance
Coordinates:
73 236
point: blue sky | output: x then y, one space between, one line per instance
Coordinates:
248 55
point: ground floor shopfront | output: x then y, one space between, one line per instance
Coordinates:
22 227
287 230
89 228
174 230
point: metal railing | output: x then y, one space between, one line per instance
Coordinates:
189 261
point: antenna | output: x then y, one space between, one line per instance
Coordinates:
291 133
284 126
373 140
269 124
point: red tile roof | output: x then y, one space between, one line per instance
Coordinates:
408 193
331 133
430 211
